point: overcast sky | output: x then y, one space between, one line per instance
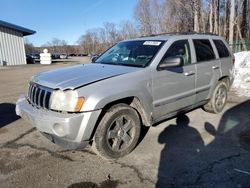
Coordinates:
64 19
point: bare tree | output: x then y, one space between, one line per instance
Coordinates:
29 47
216 16
245 14
211 15
204 25
128 30
225 20
97 40
56 45
142 14
248 19
161 16
231 22
89 41
178 15
237 23
197 8
111 32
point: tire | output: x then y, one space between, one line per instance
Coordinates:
218 99
117 133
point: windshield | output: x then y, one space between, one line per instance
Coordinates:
131 53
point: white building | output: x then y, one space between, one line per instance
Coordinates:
12 50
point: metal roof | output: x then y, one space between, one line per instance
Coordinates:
23 30
180 35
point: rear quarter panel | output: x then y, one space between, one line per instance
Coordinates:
227 67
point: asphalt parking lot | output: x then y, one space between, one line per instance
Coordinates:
197 149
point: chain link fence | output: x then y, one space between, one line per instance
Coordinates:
238 46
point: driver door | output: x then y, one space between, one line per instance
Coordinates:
174 88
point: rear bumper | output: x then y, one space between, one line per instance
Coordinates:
67 130
231 81
231 77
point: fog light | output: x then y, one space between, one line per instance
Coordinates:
59 130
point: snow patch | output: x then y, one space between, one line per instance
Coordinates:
241 83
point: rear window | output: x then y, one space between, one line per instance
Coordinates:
221 48
204 50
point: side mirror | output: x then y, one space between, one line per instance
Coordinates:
171 62
93 59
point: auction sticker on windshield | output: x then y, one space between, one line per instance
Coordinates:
152 43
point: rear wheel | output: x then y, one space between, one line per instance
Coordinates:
218 99
118 132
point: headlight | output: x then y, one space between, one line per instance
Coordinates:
66 101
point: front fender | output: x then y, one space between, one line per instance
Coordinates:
96 103
137 84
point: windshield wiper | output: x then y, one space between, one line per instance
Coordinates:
123 64
131 65
109 63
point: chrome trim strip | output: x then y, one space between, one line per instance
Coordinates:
31 95
44 98
37 95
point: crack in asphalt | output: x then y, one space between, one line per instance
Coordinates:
52 153
19 137
211 166
136 170
85 150
13 145
208 169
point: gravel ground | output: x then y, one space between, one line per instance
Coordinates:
193 150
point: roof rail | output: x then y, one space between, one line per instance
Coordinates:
179 33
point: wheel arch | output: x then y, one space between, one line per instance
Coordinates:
132 101
226 80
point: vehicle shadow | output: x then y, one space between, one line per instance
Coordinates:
187 162
7 114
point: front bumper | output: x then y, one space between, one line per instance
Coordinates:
67 130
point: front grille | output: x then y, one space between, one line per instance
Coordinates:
39 96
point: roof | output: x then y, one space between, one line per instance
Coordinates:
23 30
167 36
181 33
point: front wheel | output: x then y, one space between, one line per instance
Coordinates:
118 132
218 99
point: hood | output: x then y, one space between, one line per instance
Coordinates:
79 75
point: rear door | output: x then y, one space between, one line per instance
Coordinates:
208 68
174 88
225 57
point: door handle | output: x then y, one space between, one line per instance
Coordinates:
215 67
189 73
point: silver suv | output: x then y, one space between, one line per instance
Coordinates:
133 84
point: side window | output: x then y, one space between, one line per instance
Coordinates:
221 48
204 50
179 49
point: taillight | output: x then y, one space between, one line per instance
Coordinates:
233 60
